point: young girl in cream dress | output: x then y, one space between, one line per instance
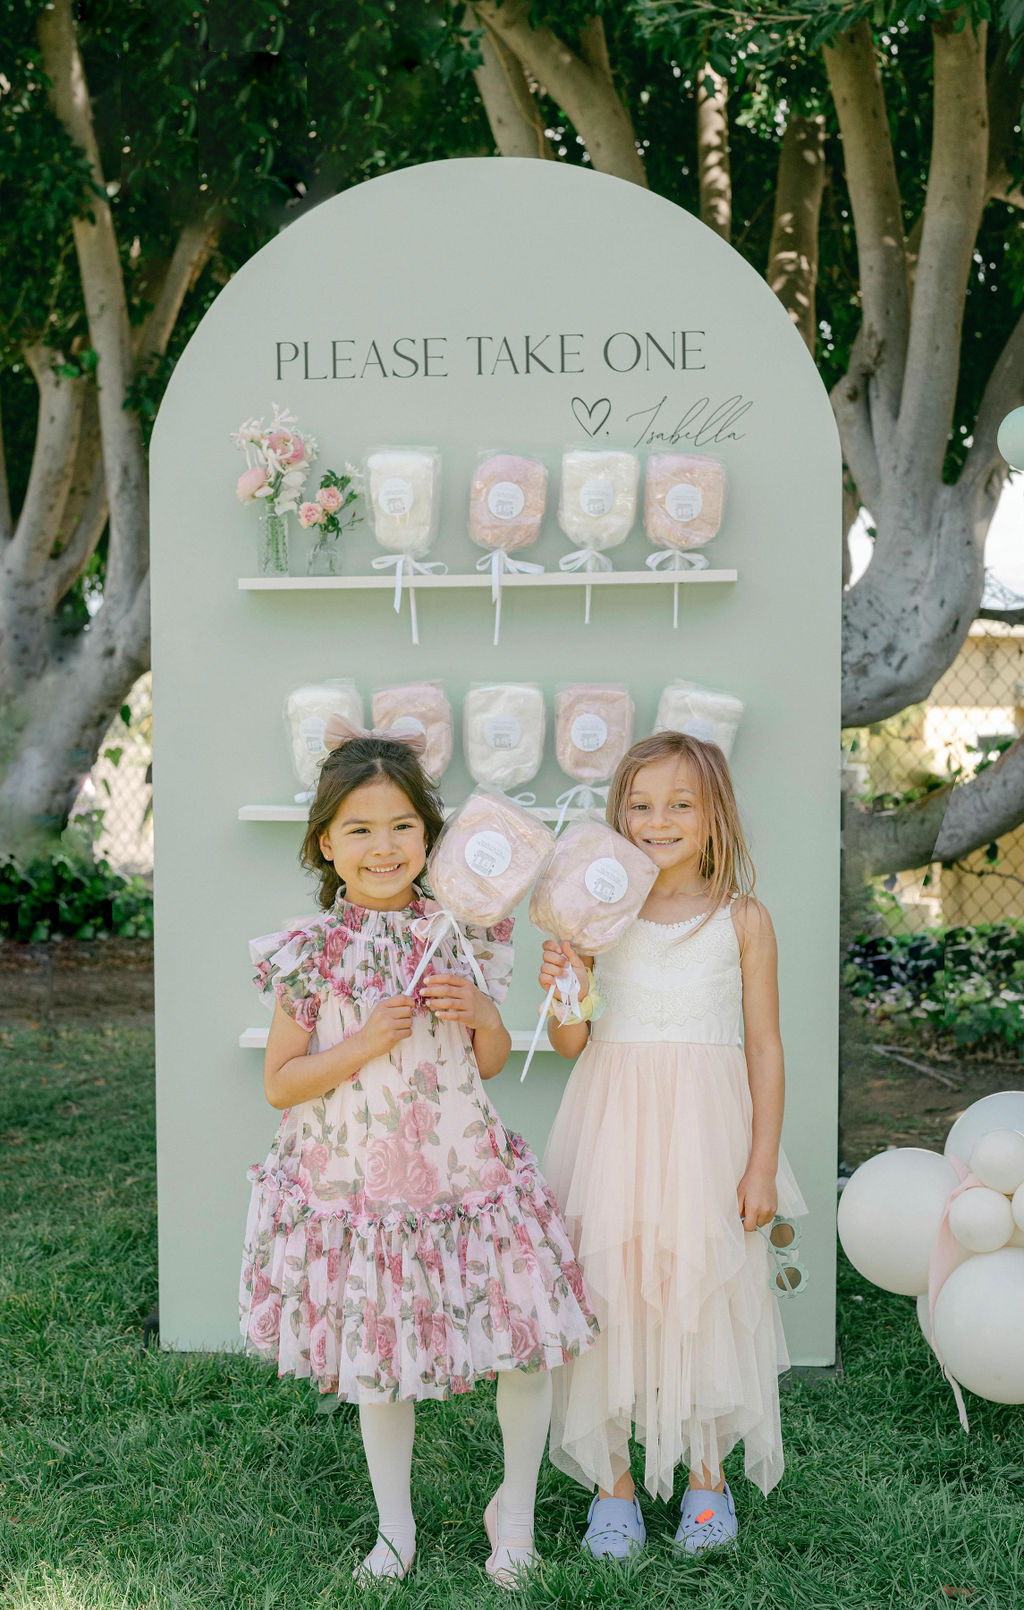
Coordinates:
665 1158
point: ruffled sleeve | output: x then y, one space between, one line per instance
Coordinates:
493 950
289 969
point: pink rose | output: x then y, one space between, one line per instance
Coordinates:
336 943
421 1182
385 1169
463 1255
333 1265
329 498
439 1335
386 1339
497 1305
261 1288
369 1326
250 483
430 1259
310 514
574 1275
397 1273
417 1120
286 446
314 1234
265 1322
525 1337
502 931
459 1383
423 1321
318 1347
315 1157
493 1175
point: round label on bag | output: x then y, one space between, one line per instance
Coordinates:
683 501
505 500
489 853
408 727
502 732
606 879
395 495
596 496
699 727
589 732
311 731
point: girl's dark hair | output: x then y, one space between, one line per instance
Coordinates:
364 760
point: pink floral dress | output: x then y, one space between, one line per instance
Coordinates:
401 1243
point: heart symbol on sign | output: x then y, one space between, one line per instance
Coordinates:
585 414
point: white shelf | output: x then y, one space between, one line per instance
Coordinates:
550 578
299 813
255 1039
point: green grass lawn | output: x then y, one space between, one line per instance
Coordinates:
131 1478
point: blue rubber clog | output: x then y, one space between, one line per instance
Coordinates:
615 1528
708 1521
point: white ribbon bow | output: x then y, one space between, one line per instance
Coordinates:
673 559
567 988
585 559
406 565
498 562
589 799
435 928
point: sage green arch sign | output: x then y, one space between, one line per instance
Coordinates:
488 305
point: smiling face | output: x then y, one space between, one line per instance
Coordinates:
378 845
663 816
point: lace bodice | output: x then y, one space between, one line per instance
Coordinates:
665 982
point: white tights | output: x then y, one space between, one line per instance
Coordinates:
524 1413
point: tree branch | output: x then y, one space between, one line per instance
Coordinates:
1003 391
713 161
851 406
895 841
106 307
982 810
954 201
53 463
793 251
856 86
580 84
192 252
68 565
512 111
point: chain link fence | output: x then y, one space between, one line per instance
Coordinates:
117 796
971 715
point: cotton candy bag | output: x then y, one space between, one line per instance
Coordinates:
419 707
404 497
307 711
593 730
700 713
506 507
684 499
503 732
596 507
592 889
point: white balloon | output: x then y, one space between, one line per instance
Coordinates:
924 1319
979 1325
1002 1110
1017 1238
889 1215
998 1159
1017 1208
981 1220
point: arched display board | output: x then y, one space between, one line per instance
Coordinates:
480 305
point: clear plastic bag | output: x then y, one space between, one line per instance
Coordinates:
597 498
700 713
490 853
593 729
503 732
592 889
404 496
419 707
506 501
307 711
684 499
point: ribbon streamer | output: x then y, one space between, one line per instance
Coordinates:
567 986
589 799
498 562
941 1266
435 928
585 559
406 565
672 559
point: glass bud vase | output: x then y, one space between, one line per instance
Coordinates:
273 550
325 554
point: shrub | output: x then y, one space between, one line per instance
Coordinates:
52 895
964 985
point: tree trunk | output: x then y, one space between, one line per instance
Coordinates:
793 251
713 161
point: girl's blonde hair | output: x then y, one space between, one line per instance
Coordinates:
725 860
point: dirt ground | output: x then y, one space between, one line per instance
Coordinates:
892 1095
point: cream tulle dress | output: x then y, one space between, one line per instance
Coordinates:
650 1142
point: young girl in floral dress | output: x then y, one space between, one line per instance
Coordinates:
401 1243
665 1158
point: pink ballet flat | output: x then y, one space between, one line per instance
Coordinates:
510 1557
